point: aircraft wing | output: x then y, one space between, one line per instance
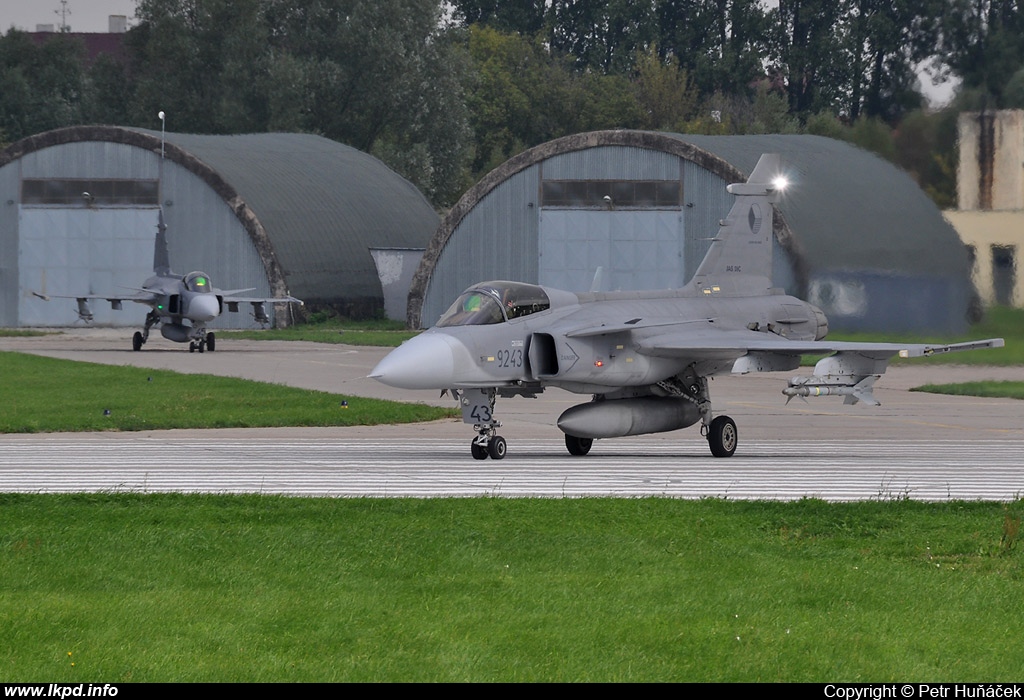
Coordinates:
85 313
851 371
708 343
258 310
141 297
228 296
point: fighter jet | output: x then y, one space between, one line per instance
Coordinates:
645 356
174 299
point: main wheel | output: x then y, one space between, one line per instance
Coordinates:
210 341
578 446
723 436
191 347
497 447
137 341
478 451
201 346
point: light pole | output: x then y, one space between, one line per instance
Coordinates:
163 123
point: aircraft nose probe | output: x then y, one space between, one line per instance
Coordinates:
424 362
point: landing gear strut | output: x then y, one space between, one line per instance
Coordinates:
140 338
478 408
721 431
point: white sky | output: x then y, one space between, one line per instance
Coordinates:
91 16
83 16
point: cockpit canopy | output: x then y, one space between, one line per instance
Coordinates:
197 282
495 302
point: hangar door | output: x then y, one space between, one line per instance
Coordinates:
77 250
632 231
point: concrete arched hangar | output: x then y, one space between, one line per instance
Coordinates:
853 233
282 213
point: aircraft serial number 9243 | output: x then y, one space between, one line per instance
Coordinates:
645 357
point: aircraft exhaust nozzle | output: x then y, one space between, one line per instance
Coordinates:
621 417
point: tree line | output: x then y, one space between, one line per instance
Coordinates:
445 90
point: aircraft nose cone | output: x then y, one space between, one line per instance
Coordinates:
203 307
424 362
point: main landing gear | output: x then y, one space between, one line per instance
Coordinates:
721 431
203 344
722 436
577 446
140 338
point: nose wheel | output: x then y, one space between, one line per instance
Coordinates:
478 410
483 447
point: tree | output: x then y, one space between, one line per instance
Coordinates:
41 86
722 44
382 77
602 35
982 41
524 17
664 91
808 54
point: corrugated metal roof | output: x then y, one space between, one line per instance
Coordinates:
323 205
847 207
313 207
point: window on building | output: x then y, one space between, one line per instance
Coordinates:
90 192
1004 273
611 194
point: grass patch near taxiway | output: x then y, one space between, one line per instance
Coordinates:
381 333
164 587
990 390
42 394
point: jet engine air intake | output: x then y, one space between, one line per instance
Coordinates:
543 355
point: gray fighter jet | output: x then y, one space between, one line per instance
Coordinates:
174 299
644 356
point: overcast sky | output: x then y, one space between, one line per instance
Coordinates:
83 15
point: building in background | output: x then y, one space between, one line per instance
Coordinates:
990 202
281 213
637 210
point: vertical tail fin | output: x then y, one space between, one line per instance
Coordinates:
161 258
739 262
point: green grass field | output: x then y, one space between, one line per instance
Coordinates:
42 394
143 588
381 333
163 587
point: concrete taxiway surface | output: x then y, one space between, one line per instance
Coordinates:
915 445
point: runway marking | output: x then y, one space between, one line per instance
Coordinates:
780 470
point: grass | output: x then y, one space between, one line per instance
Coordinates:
380 333
24 333
163 587
43 394
991 390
